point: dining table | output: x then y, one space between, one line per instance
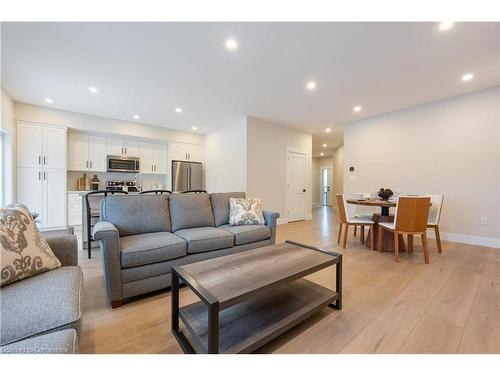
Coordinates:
383 217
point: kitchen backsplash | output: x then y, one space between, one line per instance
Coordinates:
148 179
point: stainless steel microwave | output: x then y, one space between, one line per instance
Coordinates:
123 164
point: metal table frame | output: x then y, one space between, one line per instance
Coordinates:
178 275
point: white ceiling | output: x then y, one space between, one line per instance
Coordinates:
151 68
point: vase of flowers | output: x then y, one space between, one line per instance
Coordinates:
385 194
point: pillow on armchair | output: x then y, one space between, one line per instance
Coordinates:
24 251
245 211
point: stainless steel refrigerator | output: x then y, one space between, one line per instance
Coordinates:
187 175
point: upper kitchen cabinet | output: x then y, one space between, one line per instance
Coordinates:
153 158
41 145
87 152
185 152
118 146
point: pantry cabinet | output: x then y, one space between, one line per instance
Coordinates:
41 172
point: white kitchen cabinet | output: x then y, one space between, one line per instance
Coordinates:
87 153
75 206
185 152
41 172
54 147
29 145
97 153
117 146
30 189
153 158
54 194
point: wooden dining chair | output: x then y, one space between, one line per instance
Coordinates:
347 220
435 215
411 219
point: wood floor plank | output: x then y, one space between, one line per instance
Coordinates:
448 306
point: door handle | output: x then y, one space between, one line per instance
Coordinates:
303 190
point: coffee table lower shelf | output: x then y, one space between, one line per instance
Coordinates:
250 324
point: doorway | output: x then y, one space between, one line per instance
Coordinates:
296 185
326 186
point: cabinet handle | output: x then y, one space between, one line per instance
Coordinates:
151 168
39 160
44 159
155 168
125 149
39 175
91 164
44 176
87 164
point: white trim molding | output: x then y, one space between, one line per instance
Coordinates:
467 239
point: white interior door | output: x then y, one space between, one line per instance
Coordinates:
296 177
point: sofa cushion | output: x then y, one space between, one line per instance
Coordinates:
46 302
248 233
59 342
220 205
137 214
190 211
206 239
150 248
24 252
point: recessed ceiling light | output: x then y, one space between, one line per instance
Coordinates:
328 130
467 77
443 26
49 100
357 109
178 110
93 90
231 44
324 144
137 117
311 85
194 127
322 154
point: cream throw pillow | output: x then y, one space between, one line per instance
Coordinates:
24 251
245 211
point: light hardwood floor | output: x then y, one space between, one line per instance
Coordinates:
449 306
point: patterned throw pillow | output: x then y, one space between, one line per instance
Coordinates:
24 251
245 211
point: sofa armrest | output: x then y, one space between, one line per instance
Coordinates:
271 218
65 248
109 240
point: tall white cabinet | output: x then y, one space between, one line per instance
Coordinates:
41 172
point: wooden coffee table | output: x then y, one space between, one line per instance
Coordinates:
250 298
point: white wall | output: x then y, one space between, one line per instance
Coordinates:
226 158
266 163
449 147
8 149
338 170
89 123
316 182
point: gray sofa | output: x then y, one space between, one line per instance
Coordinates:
43 314
143 236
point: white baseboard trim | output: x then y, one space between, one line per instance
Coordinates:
467 239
